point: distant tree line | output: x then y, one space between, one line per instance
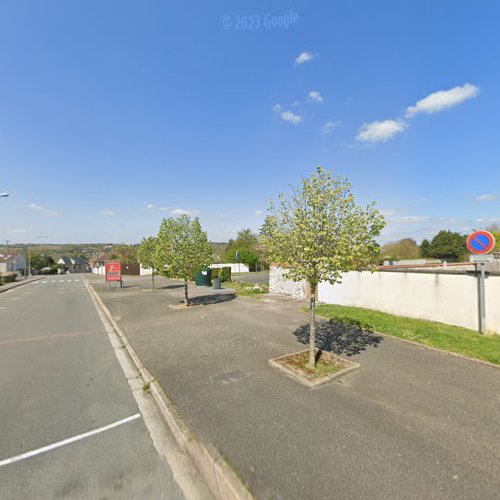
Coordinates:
445 245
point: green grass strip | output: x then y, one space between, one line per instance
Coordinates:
447 337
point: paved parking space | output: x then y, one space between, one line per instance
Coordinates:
411 423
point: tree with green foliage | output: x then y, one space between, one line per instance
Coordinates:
319 233
40 261
183 249
448 245
127 254
146 255
247 256
425 249
247 244
406 248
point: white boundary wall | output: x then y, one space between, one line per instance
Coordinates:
235 268
448 298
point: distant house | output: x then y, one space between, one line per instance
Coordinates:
72 265
98 263
12 262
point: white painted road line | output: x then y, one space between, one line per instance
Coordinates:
64 442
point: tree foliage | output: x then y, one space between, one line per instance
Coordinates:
146 254
318 233
248 245
448 245
127 254
406 248
425 249
183 249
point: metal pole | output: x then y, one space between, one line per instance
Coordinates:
483 301
481 297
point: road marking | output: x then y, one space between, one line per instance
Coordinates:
61 281
77 280
64 442
48 337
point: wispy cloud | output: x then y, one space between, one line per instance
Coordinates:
487 197
380 131
443 99
291 117
314 96
44 211
258 212
181 211
108 212
150 206
18 231
287 115
304 57
329 127
410 219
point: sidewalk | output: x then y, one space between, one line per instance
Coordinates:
412 423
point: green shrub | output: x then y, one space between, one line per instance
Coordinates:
8 277
224 273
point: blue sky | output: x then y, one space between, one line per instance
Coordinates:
116 114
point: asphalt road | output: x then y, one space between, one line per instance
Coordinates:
59 379
261 277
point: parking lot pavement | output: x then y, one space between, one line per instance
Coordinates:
411 423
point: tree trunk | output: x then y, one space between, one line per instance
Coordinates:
312 327
186 292
153 277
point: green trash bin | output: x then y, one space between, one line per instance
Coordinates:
204 277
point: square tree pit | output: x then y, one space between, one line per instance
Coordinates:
328 367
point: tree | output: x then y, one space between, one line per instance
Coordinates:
448 245
125 253
146 255
318 233
247 244
182 250
39 261
406 248
425 249
247 256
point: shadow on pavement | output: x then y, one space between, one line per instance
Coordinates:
205 300
340 337
169 287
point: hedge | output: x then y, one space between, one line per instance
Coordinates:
8 277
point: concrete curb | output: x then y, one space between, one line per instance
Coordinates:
220 478
442 351
25 282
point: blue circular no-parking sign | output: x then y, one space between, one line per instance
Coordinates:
480 242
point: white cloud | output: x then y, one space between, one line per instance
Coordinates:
181 211
258 212
443 99
380 131
410 219
18 231
314 96
277 108
304 57
165 209
150 206
329 127
291 117
43 210
108 213
487 197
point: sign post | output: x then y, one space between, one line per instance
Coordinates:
114 272
480 244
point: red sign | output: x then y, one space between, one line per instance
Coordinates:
114 270
480 242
